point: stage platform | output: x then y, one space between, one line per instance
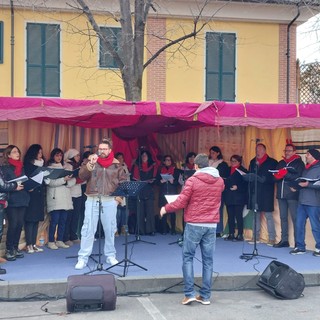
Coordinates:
46 273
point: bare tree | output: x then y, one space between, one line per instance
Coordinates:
131 61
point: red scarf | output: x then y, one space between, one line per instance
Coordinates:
167 170
294 157
145 168
106 162
17 166
262 160
233 169
190 166
311 164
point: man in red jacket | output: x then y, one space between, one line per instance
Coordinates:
200 198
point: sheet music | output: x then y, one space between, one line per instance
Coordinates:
166 177
171 197
20 179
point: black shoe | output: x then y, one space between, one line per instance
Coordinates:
239 237
281 244
218 235
230 237
18 253
10 256
3 271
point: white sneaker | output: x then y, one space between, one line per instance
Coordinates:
112 260
61 244
80 265
52 246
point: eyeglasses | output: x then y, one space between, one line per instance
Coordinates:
288 150
103 149
167 159
234 161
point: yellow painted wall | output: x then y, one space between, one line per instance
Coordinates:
257 63
256 60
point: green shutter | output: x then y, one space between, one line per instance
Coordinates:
1 41
106 60
43 60
220 66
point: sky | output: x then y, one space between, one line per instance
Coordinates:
308 40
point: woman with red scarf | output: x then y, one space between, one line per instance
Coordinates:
168 180
145 169
17 203
235 196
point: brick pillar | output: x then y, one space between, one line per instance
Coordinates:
156 71
283 64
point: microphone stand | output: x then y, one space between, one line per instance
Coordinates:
250 256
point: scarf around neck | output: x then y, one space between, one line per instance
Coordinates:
294 157
309 165
17 166
106 162
233 169
167 170
262 160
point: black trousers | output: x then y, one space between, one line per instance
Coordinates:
235 213
31 232
15 217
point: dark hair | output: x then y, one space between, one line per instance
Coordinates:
237 157
218 150
139 159
118 154
262 145
106 141
86 154
53 153
201 160
189 155
7 151
291 145
168 156
32 154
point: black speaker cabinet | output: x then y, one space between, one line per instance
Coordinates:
279 280
91 293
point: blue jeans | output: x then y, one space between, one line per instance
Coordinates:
206 238
57 218
303 213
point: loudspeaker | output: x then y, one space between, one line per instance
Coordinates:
91 293
279 280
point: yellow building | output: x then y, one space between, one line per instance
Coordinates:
48 48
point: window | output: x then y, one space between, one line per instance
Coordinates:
1 41
114 36
43 60
220 66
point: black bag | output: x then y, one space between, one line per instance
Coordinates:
279 280
91 293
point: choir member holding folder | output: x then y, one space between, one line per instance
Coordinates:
168 180
33 160
17 203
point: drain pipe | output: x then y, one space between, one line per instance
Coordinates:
12 48
288 50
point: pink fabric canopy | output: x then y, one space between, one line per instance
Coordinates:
134 119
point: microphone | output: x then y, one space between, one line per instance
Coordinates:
90 146
257 140
142 147
184 143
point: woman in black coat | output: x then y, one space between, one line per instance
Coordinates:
235 196
167 187
34 159
18 202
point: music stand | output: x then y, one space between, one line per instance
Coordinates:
127 189
253 177
137 233
98 262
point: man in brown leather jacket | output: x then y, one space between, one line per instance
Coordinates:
103 174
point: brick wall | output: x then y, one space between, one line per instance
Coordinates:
156 71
